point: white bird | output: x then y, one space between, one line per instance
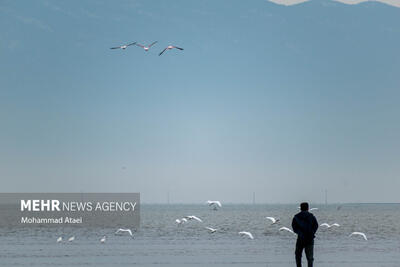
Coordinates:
103 240
214 203
124 230
72 238
286 229
123 46
246 234
360 234
272 219
59 239
146 48
212 230
181 221
329 226
192 217
169 48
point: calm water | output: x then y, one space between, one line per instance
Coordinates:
160 242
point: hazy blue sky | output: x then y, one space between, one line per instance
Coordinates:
282 101
295 2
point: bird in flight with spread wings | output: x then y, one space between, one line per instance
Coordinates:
146 48
169 48
123 46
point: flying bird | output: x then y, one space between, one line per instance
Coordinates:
272 219
72 238
248 234
169 48
286 229
146 48
360 234
214 203
123 46
212 230
59 239
124 230
181 221
329 226
103 240
192 217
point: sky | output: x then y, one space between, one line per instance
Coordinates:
283 101
294 2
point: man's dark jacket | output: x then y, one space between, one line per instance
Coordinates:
305 225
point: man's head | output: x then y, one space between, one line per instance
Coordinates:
304 206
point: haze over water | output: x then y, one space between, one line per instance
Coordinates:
160 242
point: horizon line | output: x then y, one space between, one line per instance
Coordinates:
266 203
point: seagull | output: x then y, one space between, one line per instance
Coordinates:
181 221
246 234
123 46
124 230
286 229
212 230
359 233
59 239
72 238
329 226
146 48
214 203
169 48
103 240
192 217
272 219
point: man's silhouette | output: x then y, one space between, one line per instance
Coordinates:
304 225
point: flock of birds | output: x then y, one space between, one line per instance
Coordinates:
147 47
215 204
103 239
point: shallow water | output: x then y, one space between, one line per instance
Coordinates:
160 242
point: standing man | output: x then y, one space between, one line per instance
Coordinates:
305 226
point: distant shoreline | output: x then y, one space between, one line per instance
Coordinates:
286 204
